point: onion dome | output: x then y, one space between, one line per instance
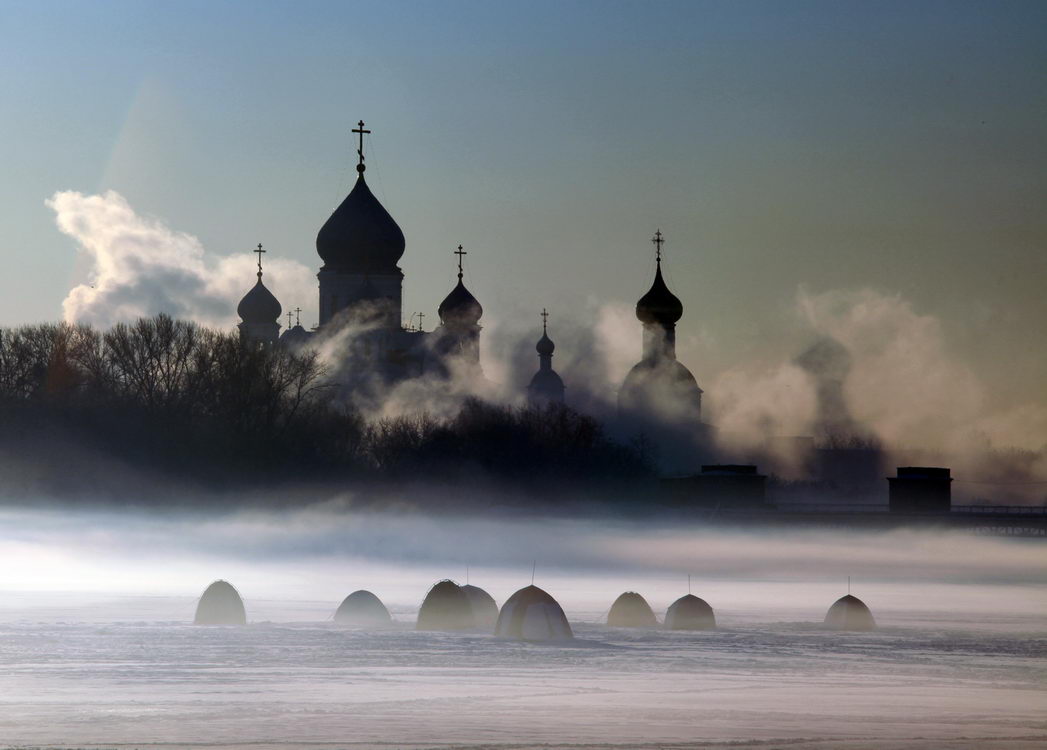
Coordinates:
360 236
460 306
545 345
259 305
659 305
362 609
532 615
630 610
690 613
849 613
220 604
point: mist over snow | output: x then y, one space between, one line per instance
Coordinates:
140 267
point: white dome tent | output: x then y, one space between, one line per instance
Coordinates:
220 604
532 615
362 609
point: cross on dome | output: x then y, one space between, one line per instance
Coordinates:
545 319
460 252
259 251
658 240
298 316
360 151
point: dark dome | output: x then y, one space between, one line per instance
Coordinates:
849 613
547 381
360 236
220 604
532 615
630 610
294 336
690 613
485 610
545 345
659 305
446 607
259 305
460 306
362 609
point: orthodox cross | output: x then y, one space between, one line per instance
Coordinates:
460 252
658 240
360 151
259 251
545 319
289 314
297 315
421 318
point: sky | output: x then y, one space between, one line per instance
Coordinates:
806 161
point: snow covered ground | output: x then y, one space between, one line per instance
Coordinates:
80 670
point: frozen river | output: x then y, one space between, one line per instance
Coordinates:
79 670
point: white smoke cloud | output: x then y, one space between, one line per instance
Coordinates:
140 267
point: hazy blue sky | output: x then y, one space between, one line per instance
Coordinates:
831 146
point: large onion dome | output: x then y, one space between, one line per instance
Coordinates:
460 306
360 236
259 305
659 305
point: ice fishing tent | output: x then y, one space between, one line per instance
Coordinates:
220 605
630 610
362 609
532 615
690 613
446 607
849 613
485 610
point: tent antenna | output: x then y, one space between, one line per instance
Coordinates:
688 583
534 565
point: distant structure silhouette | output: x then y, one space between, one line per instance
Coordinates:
362 609
446 607
849 613
220 604
546 386
630 610
259 312
532 615
690 613
485 609
361 293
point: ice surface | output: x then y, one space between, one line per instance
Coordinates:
132 675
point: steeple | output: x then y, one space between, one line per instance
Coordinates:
458 335
460 306
546 385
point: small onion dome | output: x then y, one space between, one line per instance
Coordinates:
220 605
460 306
485 610
532 615
659 305
545 346
690 613
446 607
360 236
259 305
630 610
362 609
849 613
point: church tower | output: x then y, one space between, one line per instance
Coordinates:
546 385
259 312
360 245
659 389
458 336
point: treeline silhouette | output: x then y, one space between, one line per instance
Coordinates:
173 398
